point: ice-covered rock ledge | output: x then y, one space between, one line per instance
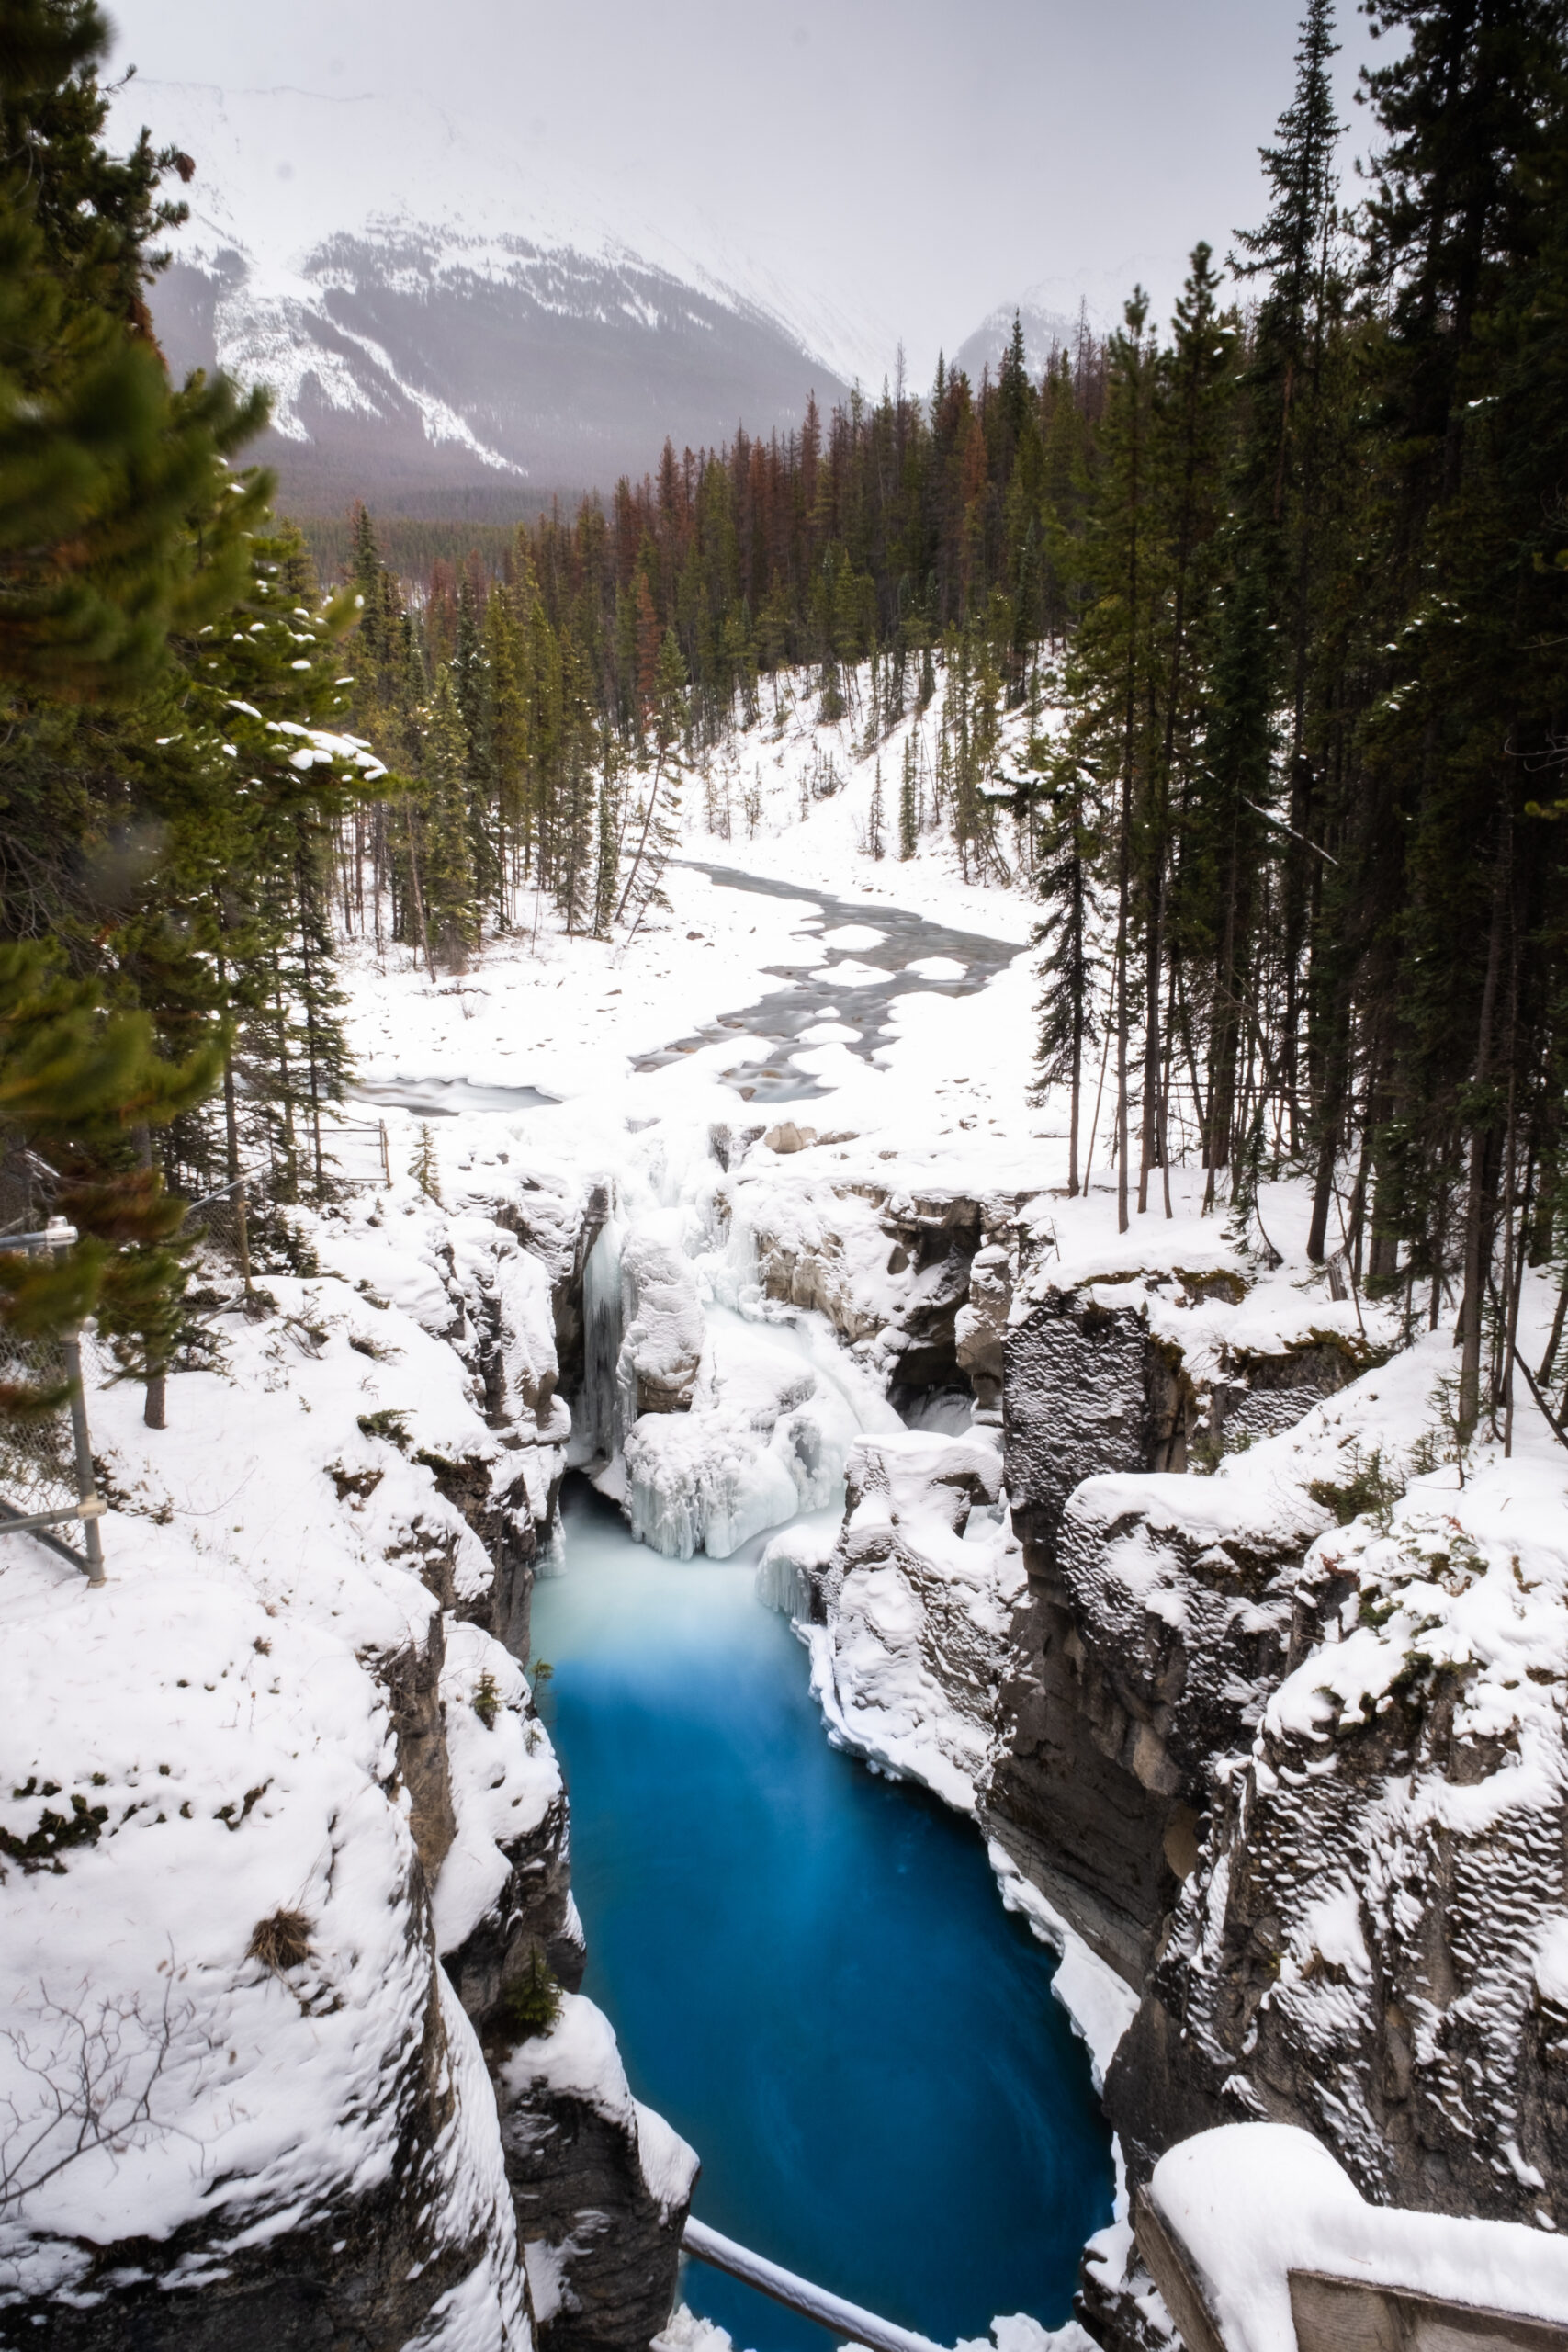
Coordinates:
907 1616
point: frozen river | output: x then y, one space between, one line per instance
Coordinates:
809 1968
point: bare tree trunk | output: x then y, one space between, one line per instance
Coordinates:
642 843
419 899
232 1140
1122 1016
152 1410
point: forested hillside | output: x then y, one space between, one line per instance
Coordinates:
1274 595
1288 578
172 768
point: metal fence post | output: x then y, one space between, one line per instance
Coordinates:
87 1477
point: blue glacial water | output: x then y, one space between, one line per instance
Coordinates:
809 1968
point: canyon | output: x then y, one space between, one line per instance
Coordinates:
1144 1553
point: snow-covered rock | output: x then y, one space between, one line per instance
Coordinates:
1372 1944
661 1321
913 1607
770 1423
232 2062
601 2185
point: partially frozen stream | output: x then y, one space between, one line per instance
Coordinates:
809 1969
876 954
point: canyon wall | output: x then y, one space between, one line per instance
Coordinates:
1264 1705
354 2097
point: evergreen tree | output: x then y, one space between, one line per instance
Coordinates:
657 836
451 900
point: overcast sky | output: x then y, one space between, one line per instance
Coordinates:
912 162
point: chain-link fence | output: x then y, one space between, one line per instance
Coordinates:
47 1485
249 1225
47 1481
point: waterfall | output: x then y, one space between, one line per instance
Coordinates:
603 1425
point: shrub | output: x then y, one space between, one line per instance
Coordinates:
388 1424
530 2004
1370 1491
281 1942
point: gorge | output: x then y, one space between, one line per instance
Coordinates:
1118 1518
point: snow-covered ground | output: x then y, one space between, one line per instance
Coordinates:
214 1731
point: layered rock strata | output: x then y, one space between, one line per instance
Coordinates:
1285 1744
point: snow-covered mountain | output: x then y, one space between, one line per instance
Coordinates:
1044 326
434 316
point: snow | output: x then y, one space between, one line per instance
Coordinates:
504 1778
852 934
771 1420
223 1700
272 1559
684 2332
577 2059
922 1584
1251 2202
1100 2004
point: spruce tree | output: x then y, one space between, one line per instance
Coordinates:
451 900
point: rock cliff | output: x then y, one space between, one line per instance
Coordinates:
285 1846
1284 1742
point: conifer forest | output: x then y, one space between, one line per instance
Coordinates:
1242 634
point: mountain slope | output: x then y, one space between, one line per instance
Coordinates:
1043 329
435 319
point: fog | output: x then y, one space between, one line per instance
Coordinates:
912 164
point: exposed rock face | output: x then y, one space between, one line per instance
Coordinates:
602 2186
1303 1785
922 1279
979 1328
1062 1795
1161 1609
411 1679
1370 1945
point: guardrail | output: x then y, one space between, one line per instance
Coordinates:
848 2321
1259 2241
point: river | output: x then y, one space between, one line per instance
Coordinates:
809 1968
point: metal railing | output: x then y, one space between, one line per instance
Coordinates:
46 1478
848 2321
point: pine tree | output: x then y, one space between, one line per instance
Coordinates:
1068 1027
101 463
75 1081
656 837
910 800
451 904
